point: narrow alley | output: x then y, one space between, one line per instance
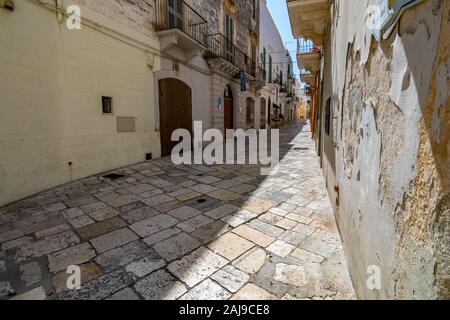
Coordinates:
190 232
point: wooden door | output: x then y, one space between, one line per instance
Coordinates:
228 114
250 117
229 35
175 109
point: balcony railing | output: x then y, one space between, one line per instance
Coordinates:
219 46
177 14
262 75
305 47
250 66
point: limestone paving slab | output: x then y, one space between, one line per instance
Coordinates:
160 236
74 255
254 235
184 213
46 246
230 246
176 247
153 225
89 271
252 261
101 228
196 267
207 290
160 285
145 266
231 278
99 288
193 224
123 256
113 240
253 292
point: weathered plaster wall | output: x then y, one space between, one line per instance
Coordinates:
391 102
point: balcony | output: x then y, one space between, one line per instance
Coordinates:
308 56
260 80
181 30
224 55
308 18
308 78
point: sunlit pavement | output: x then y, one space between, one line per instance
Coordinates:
181 232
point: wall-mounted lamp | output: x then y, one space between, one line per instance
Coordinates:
7 4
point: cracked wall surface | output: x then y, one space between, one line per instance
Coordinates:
391 160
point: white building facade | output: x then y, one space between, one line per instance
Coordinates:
277 98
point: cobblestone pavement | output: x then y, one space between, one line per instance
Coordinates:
181 232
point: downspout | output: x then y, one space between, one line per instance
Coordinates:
59 14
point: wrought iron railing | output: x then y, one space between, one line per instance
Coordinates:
262 75
250 66
177 14
306 46
219 46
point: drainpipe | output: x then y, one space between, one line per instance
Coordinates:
59 14
336 189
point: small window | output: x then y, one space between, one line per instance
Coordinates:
107 107
254 9
328 117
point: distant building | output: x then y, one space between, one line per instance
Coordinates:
277 96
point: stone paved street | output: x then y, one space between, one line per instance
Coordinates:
181 232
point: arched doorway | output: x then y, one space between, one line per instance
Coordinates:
175 111
262 119
250 118
228 108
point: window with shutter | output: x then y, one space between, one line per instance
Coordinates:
270 68
175 14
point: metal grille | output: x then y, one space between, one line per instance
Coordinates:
177 14
221 46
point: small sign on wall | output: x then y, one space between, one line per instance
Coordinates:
219 104
126 124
